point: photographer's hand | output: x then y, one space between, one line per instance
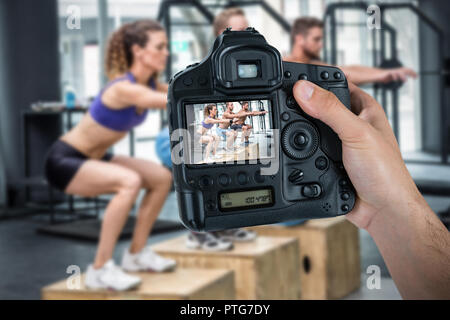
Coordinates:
412 240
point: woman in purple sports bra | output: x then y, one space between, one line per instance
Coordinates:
78 163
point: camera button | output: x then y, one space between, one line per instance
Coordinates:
337 75
285 116
345 196
300 140
321 163
224 180
303 77
296 176
324 75
287 74
343 183
345 207
210 205
187 81
291 103
311 191
242 178
206 181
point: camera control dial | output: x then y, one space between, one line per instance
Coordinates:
299 140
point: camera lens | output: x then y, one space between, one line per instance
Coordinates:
300 140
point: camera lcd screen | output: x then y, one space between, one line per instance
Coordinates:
226 132
248 70
254 198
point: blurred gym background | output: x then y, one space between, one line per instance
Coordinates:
44 56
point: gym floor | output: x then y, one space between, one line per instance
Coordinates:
31 260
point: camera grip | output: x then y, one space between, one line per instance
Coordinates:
330 142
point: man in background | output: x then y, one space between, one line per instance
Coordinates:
307 43
231 17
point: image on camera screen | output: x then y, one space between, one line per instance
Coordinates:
225 132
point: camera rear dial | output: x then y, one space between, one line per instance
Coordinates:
300 140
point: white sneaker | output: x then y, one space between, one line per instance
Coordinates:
146 260
207 241
110 276
237 235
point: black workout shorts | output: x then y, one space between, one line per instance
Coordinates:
63 162
236 126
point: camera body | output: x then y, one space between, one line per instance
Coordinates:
243 71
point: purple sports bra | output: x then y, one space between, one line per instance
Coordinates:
121 119
207 125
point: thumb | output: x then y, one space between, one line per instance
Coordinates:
325 106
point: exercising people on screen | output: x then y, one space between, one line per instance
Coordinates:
240 124
223 129
78 163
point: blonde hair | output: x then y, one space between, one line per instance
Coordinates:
221 20
119 56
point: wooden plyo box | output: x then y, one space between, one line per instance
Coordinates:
242 153
181 284
249 152
329 256
266 268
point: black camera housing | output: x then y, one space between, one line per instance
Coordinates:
309 184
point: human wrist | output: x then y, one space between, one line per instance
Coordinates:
400 210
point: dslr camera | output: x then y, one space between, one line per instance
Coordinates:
243 151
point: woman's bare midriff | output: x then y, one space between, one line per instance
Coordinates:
202 130
92 139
